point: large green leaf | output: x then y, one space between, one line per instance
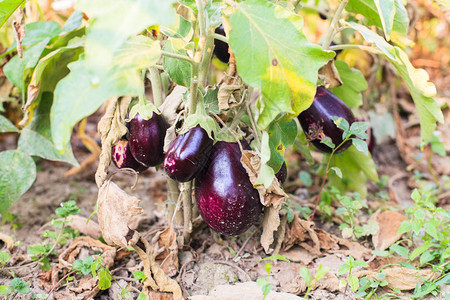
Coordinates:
72 23
115 21
274 56
17 174
99 75
179 70
422 91
16 69
6 125
82 92
36 138
356 168
138 52
7 7
390 15
353 83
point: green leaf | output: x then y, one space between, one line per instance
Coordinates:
390 15
139 52
16 68
353 83
305 177
6 290
20 286
110 28
38 31
266 173
277 257
283 66
431 229
400 250
82 92
104 279
281 136
321 271
210 101
353 282
72 23
179 30
6 125
179 70
380 253
36 138
427 256
356 168
4 257
139 276
337 171
17 174
327 141
405 226
68 208
360 145
422 91
7 7
306 275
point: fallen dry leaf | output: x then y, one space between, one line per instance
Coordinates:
89 228
271 222
9 242
388 223
117 213
168 251
298 254
400 277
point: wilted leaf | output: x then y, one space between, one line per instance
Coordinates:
167 251
330 75
117 212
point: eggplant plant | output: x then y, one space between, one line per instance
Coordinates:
275 77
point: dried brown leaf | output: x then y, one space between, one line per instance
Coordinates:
168 251
89 228
298 254
330 75
9 242
388 223
117 213
173 104
354 249
401 278
111 128
274 194
271 223
229 95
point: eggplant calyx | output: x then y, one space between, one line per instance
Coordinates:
144 110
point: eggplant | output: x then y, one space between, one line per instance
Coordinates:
220 47
317 123
122 157
147 139
188 154
225 196
281 175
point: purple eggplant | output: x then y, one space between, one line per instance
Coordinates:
220 47
317 123
147 139
225 196
188 154
282 173
122 157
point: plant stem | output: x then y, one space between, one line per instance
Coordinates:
201 16
325 177
336 17
177 56
193 89
186 191
219 37
155 78
173 192
361 47
207 52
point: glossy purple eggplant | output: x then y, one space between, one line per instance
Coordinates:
188 154
282 173
122 157
147 139
225 196
220 47
317 123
